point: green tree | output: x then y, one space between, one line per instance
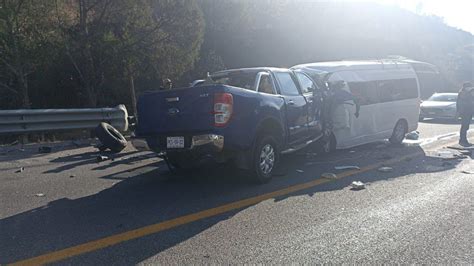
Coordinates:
108 40
26 36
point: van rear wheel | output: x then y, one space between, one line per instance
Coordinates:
399 132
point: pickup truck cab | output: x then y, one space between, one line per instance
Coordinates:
249 116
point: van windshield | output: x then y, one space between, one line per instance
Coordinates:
245 80
443 97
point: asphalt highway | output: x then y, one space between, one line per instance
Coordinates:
65 207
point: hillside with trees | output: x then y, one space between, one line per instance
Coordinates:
88 53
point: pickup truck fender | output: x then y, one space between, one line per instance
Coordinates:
271 121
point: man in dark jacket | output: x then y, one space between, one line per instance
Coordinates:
167 85
465 109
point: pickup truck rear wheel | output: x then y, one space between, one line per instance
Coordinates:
266 157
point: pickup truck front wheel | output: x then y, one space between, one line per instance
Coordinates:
266 157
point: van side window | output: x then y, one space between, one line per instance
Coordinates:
307 85
397 89
365 92
287 84
266 85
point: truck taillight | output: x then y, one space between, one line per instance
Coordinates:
223 107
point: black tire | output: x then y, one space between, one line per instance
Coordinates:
266 149
110 137
399 132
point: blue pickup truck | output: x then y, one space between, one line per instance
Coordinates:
249 116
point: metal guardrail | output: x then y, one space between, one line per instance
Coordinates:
38 120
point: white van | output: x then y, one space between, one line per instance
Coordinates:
388 94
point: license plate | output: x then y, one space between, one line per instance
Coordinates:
174 142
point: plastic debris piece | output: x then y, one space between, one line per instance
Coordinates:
469 172
414 135
358 185
329 175
299 171
39 195
20 170
352 151
44 149
72 176
101 158
347 167
385 169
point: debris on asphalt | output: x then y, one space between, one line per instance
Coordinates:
72 176
459 147
385 169
299 171
329 175
414 135
347 167
102 158
357 185
44 149
352 151
451 155
469 172
20 170
39 195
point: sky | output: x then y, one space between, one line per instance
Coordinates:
456 13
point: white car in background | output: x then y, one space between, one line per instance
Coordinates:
439 105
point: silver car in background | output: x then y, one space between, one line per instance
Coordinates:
439 105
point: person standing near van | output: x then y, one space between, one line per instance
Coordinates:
465 109
166 85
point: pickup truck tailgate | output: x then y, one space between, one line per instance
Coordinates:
188 109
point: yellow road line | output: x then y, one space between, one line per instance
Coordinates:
158 227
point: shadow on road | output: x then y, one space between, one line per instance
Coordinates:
159 195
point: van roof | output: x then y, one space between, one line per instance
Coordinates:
249 69
355 65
